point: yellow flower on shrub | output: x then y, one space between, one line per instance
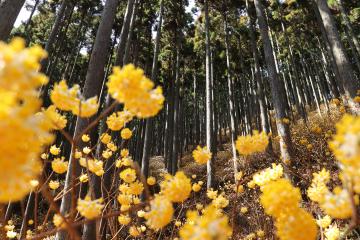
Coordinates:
296 225
160 214
126 133
212 224
54 185
247 145
88 208
128 85
117 120
128 175
59 165
176 188
201 155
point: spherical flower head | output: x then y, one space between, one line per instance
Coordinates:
19 67
58 221
117 121
324 222
176 188
128 175
124 219
220 202
85 138
124 199
105 138
244 210
88 208
346 147
211 225
94 165
268 175
318 189
59 165
247 145
54 150
212 194
201 155
54 185
160 214
83 178
196 187
124 152
136 188
63 97
332 233
337 204
134 231
55 120
86 108
278 196
86 150
151 181
106 154
296 225
130 87
126 133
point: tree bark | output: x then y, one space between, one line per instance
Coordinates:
9 11
277 87
150 122
208 104
124 33
93 85
342 61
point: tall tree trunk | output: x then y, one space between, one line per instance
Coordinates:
277 87
9 11
345 70
150 122
124 33
348 26
93 85
208 105
231 97
131 32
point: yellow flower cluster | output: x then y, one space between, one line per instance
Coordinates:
118 120
336 204
131 87
95 166
346 148
268 175
126 134
247 145
88 208
212 224
23 132
281 200
55 120
59 165
69 99
201 155
176 188
160 214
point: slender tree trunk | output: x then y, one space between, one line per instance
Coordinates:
93 85
124 33
345 70
9 11
276 86
208 105
231 98
131 31
150 122
348 26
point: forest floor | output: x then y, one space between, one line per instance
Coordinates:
245 212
